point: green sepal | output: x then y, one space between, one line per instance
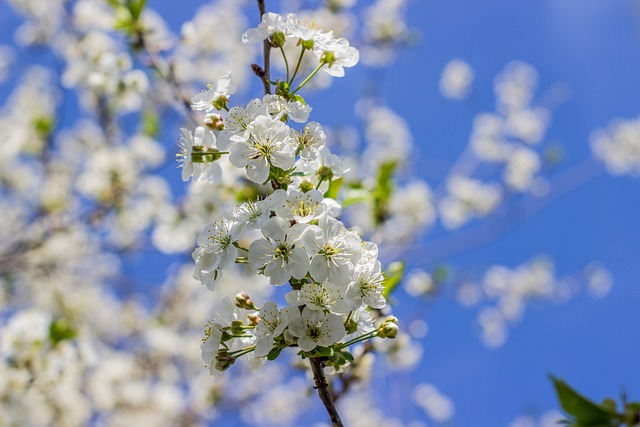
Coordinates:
323 351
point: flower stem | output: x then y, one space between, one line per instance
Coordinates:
366 336
309 77
242 351
295 72
317 366
286 62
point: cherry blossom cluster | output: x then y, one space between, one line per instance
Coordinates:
292 235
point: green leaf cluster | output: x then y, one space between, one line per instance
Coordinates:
586 413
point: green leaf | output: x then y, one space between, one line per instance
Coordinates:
150 123
334 188
355 196
393 275
274 353
383 190
136 7
587 413
60 330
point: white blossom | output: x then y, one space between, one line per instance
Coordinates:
272 323
216 95
333 249
367 286
198 155
269 145
271 23
320 296
315 328
280 252
216 251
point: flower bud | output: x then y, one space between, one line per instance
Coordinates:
243 301
254 319
392 319
389 328
213 122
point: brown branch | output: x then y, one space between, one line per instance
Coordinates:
317 366
266 70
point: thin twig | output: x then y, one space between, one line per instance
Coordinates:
323 391
266 77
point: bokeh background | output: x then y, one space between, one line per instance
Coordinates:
587 55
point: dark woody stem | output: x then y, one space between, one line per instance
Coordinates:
267 55
317 366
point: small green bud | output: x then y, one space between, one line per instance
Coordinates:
392 319
277 39
388 330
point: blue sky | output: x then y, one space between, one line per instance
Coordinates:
592 47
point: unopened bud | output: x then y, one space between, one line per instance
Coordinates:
389 329
213 122
392 319
243 301
254 319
